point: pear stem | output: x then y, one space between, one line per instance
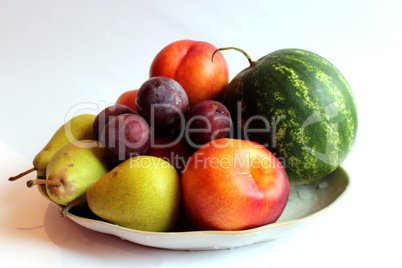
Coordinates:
31 183
64 211
252 63
22 174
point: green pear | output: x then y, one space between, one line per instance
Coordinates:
78 128
73 169
141 193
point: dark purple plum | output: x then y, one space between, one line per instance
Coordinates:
126 136
162 102
106 115
206 121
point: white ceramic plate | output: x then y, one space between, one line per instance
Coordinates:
306 202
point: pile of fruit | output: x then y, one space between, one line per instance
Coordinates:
189 144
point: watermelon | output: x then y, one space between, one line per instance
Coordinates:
299 106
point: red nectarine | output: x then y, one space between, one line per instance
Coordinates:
128 99
190 63
233 184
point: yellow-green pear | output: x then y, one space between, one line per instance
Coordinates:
141 193
78 128
73 169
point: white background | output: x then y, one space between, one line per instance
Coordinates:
55 55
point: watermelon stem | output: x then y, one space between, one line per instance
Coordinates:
252 63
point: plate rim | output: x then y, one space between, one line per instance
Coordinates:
196 233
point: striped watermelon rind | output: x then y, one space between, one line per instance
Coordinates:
305 106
